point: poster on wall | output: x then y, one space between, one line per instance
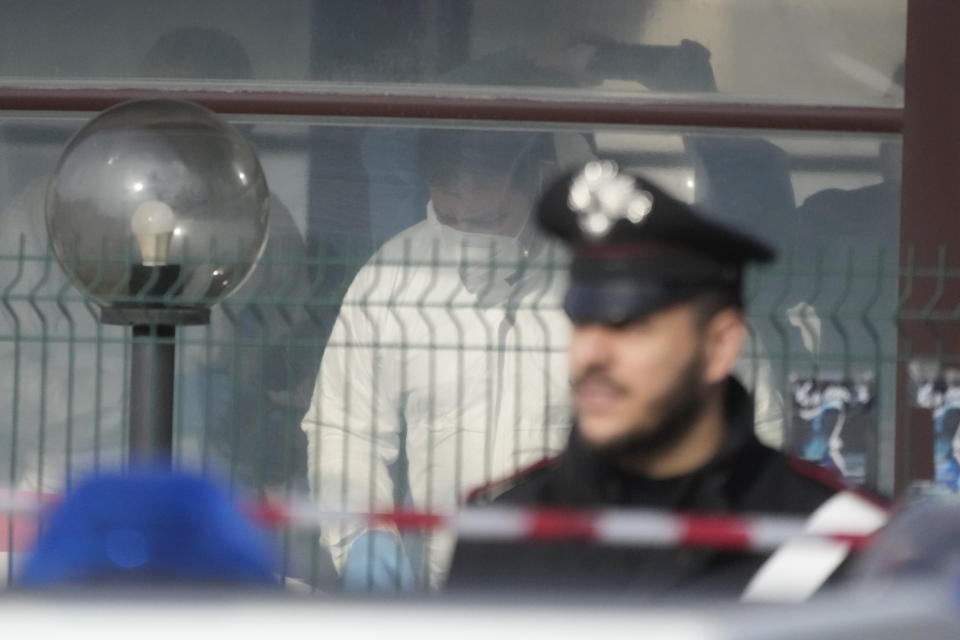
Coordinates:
834 422
937 390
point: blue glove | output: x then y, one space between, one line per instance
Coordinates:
377 562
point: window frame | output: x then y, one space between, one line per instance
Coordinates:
930 191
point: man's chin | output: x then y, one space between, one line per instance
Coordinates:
597 434
605 438
627 443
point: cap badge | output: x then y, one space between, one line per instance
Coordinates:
601 196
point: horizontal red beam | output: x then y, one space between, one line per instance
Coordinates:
428 106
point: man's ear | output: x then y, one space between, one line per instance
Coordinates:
724 337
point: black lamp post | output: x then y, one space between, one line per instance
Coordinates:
156 211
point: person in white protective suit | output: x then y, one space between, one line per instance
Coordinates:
62 392
449 342
445 369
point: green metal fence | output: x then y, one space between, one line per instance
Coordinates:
409 377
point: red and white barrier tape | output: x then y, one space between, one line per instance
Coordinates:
631 527
634 527
18 519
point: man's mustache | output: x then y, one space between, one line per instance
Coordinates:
597 376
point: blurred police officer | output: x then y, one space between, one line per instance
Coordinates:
655 298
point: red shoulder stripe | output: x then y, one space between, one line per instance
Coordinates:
832 479
512 478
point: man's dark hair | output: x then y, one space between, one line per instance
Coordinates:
712 301
444 154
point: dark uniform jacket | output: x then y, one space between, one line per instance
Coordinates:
744 477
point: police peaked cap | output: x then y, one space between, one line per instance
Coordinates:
636 249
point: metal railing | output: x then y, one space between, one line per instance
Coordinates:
406 379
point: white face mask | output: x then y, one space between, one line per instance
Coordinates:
489 265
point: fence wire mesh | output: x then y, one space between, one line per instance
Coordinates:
408 378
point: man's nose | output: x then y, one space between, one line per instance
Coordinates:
591 345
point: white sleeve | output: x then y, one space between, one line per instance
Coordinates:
352 424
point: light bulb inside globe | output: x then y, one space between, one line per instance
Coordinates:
153 224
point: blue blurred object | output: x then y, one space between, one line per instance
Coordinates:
948 474
377 563
150 525
946 441
818 446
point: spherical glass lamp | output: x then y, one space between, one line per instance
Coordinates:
157 203
157 210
